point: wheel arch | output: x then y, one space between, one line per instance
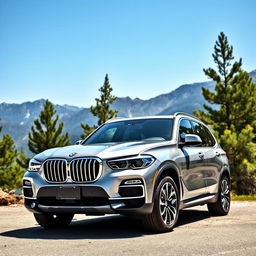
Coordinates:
225 172
169 169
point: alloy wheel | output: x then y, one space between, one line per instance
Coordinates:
168 203
225 195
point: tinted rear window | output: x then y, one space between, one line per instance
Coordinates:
204 134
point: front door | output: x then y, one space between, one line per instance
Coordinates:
192 164
212 157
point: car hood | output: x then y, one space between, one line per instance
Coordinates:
103 151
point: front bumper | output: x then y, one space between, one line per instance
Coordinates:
108 195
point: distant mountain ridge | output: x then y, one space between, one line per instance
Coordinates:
17 119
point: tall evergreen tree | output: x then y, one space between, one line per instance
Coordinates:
10 172
46 132
233 120
22 159
222 56
8 151
102 109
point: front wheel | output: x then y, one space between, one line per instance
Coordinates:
222 205
166 207
49 221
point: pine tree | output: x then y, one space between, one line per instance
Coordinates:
22 159
87 130
233 120
8 151
46 132
222 56
10 172
241 152
102 109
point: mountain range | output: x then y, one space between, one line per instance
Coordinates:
17 119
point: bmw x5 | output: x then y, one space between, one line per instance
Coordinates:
150 167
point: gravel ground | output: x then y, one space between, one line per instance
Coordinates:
197 234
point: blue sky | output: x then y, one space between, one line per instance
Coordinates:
61 50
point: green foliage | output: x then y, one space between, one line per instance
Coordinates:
8 151
223 56
244 198
243 101
87 130
102 109
46 133
241 153
10 172
234 119
22 159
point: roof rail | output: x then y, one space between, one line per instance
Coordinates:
115 118
185 114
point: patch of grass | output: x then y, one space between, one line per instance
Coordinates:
243 198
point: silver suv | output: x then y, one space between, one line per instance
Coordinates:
147 166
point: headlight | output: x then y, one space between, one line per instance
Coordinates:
131 163
34 165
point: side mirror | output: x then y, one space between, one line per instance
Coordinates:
78 142
192 140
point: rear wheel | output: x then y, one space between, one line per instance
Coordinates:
222 205
166 207
48 220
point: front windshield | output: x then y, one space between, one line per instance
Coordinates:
158 129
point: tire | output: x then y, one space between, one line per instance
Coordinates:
49 221
166 209
222 205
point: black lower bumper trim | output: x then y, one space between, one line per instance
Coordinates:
97 210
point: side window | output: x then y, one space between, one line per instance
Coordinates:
211 139
185 128
203 133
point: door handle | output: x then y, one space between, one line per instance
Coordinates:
217 153
201 155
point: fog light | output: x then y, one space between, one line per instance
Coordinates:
132 182
131 191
